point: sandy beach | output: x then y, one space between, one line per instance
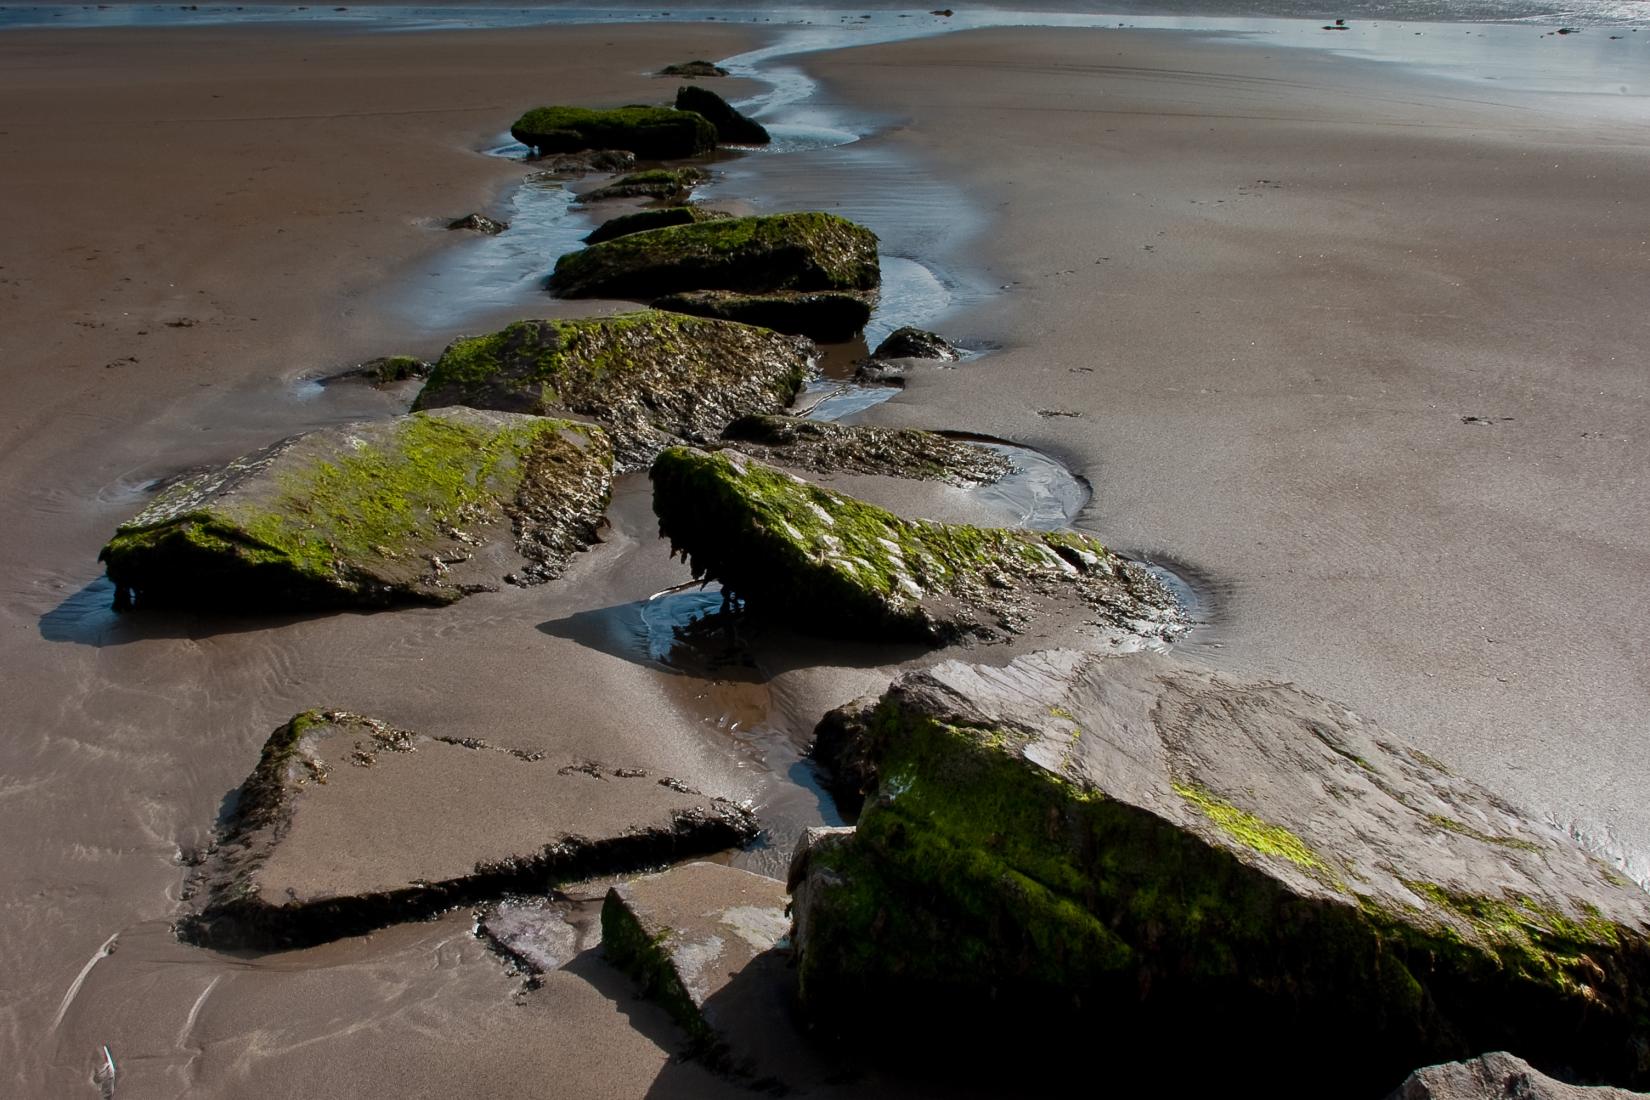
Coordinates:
1356 352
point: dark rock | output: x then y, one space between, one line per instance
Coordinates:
384 371
732 127
348 824
663 184
1497 1076
656 133
370 514
829 316
829 564
1133 847
480 223
803 252
641 220
947 12
828 447
650 378
915 343
562 165
693 69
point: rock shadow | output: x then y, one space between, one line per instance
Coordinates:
88 618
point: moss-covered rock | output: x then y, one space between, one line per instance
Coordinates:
693 69
826 447
642 220
650 378
663 184
657 133
762 254
829 316
1141 849
827 563
369 514
731 126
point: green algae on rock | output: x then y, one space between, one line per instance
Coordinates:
662 218
657 133
829 447
650 378
1156 846
664 184
759 254
829 316
370 514
831 564
731 126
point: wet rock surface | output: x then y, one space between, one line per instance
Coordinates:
689 933
650 378
537 935
1148 843
1498 1076
732 127
830 447
829 316
626 224
661 184
415 509
760 255
349 823
655 133
386 370
479 223
834 565
695 69
564 165
915 343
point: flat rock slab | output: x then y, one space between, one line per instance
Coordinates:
1498 1076
664 184
415 509
830 564
689 932
1166 844
349 823
826 446
538 935
650 378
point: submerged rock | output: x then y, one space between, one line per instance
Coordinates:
1140 849
664 184
731 126
829 316
563 165
762 254
693 69
650 378
915 343
687 933
348 824
479 223
1498 1076
641 220
830 564
828 447
656 133
412 509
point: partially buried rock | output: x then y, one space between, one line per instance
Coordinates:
563 165
689 932
828 447
479 223
664 184
1137 848
731 126
761 254
829 316
829 564
416 509
650 378
642 220
383 371
534 934
693 69
915 343
348 824
1498 1076
656 133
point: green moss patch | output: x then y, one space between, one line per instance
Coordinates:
659 133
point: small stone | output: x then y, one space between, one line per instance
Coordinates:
479 223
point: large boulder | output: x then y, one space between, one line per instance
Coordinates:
650 378
731 126
348 823
1147 852
656 133
829 316
663 184
760 254
829 564
1498 1076
660 218
415 509
827 447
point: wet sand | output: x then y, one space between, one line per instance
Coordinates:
1269 394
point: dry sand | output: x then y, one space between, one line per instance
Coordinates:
1271 377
